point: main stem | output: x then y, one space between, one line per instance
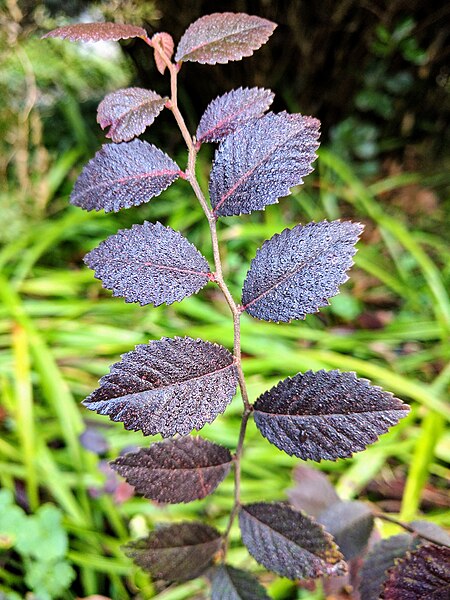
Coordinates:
218 278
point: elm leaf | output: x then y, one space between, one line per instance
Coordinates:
176 552
168 386
423 575
381 558
128 112
260 162
227 113
179 470
350 523
149 264
295 272
221 37
326 415
123 175
97 32
289 542
165 42
229 583
312 492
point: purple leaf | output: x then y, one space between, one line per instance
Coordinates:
124 175
129 112
326 415
312 492
149 264
97 32
180 470
379 560
168 386
423 575
94 441
289 542
350 523
432 531
295 272
229 583
227 113
221 37
166 43
257 164
176 552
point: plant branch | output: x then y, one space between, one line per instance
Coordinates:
403 525
218 278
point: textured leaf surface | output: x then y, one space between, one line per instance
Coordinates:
96 32
221 37
288 542
128 112
176 552
350 523
227 113
123 175
165 42
379 560
260 162
149 264
234 584
423 575
180 470
168 386
326 415
295 272
312 492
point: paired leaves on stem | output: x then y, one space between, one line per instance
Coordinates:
289 542
168 386
295 272
129 112
259 163
221 37
124 175
326 415
179 470
149 264
176 552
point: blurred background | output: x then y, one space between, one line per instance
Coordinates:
377 75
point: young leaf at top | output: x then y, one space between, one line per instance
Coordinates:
176 552
123 175
295 272
168 386
289 542
350 523
221 37
128 112
381 558
229 583
149 264
97 32
179 470
227 113
423 575
165 42
326 415
312 492
260 162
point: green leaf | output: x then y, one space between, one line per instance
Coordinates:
47 579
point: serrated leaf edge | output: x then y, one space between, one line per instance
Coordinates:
326 302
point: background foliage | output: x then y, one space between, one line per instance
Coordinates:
375 75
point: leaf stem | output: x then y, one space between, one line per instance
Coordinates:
403 525
218 278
